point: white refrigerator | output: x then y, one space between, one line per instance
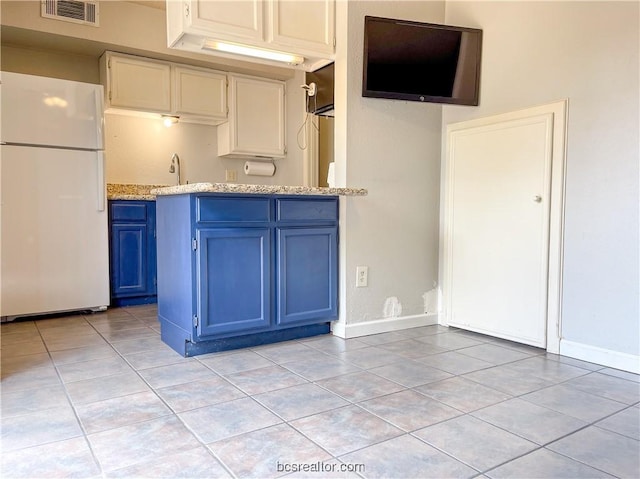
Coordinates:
53 215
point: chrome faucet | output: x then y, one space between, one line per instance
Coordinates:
175 160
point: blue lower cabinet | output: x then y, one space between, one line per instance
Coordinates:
132 252
128 260
243 270
234 280
307 274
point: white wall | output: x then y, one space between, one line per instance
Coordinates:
392 148
588 52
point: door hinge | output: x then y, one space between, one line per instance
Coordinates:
186 10
109 95
334 42
194 244
109 63
195 321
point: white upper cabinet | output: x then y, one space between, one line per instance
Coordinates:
301 27
239 19
199 92
256 126
249 111
137 84
141 85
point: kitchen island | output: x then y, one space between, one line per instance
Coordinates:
243 265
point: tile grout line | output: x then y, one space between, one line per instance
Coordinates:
73 407
172 412
358 404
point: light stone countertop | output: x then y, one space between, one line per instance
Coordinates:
118 191
257 189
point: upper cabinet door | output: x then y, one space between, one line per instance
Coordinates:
256 125
303 25
200 92
240 19
139 84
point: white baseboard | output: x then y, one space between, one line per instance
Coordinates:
605 357
385 325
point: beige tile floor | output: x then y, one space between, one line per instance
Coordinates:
101 396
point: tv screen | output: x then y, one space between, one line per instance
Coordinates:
424 62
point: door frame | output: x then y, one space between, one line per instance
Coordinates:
558 110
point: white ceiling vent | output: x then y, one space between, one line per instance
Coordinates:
74 11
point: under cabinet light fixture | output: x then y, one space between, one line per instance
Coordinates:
252 52
169 120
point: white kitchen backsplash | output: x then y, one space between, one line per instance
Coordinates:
139 150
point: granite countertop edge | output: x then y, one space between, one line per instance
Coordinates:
257 189
131 192
132 197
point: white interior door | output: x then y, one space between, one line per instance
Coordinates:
499 194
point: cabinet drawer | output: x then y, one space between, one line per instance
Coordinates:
215 210
129 211
298 209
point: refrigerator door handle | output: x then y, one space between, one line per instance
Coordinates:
100 177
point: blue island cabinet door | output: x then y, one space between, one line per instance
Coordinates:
233 277
307 275
129 261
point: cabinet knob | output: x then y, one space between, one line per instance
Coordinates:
537 199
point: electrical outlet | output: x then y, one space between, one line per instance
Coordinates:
362 276
230 176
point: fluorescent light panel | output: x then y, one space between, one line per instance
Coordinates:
252 52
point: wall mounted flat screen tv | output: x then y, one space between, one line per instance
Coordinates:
425 62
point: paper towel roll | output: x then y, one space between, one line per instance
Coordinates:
259 168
